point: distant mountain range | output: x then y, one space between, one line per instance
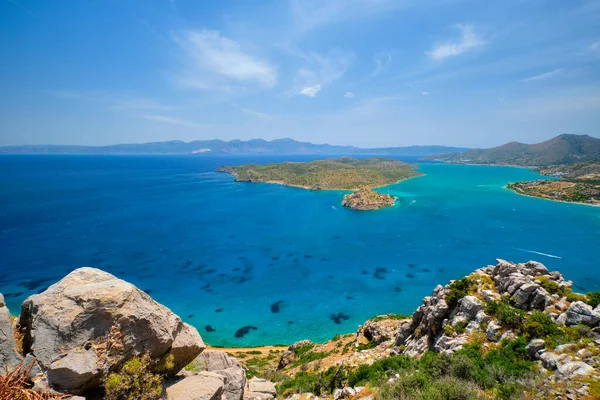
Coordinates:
254 146
562 149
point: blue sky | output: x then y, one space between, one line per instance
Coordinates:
360 72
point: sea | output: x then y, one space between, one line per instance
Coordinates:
252 264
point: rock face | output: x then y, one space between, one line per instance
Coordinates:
258 385
203 386
90 323
9 356
367 199
222 364
288 356
435 326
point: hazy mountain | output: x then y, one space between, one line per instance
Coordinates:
254 146
560 150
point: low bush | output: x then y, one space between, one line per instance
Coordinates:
540 325
134 381
593 299
507 315
459 289
379 371
317 383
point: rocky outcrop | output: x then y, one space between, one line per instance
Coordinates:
288 356
90 323
201 386
438 327
378 330
9 355
262 386
367 199
230 368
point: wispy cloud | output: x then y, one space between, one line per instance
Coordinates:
318 71
382 60
349 95
425 93
595 46
215 62
143 104
256 114
311 91
312 14
468 41
545 75
169 120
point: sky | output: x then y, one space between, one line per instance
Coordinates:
369 73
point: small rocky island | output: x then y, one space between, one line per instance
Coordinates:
344 173
367 199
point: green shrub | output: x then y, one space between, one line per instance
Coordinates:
460 326
577 297
540 325
507 315
317 383
134 381
310 356
390 316
459 289
593 299
379 371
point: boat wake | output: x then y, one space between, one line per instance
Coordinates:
409 204
537 252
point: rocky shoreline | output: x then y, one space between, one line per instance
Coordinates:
81 335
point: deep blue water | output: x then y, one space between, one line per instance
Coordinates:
200 243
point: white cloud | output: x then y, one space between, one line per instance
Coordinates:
318 70
311 91
468 41
595 46
168 120
256 114
219 63
348 95
545 75
425 93
382 60
143 104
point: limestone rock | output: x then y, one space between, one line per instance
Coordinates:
493 331
9 356
90 323
221 363
203 386
549 360
534 348
288 356
470 306
581 313
258 385
575 368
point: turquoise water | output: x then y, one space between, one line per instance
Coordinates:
291 263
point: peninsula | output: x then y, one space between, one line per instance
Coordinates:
579 183
345 173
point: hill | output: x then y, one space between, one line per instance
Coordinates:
254 146
345 173
562 149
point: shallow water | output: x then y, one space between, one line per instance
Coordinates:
289 262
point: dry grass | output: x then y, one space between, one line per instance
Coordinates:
15 386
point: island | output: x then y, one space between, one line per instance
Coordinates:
578 183
344 173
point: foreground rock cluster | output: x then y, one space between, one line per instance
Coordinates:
90 324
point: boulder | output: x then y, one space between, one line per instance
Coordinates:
534 348
493 331
549 360
221 363
90 323
581 313
9 356
574 368
288 356
202 386
470 306
259 385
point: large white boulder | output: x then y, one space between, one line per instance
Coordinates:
9 356
91 322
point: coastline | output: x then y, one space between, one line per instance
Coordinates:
281 183
555 200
